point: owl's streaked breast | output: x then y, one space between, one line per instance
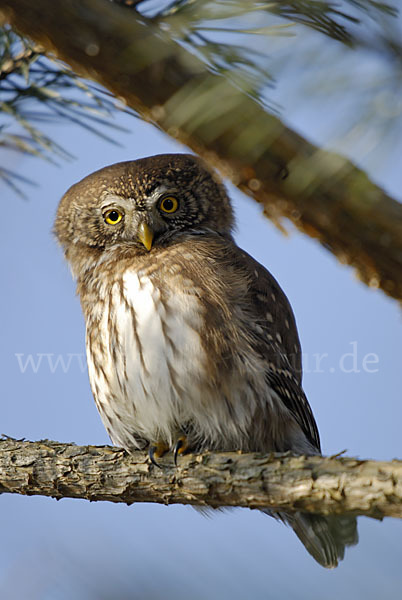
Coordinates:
144 358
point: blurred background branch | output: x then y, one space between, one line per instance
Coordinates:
180 65
325 485
36 91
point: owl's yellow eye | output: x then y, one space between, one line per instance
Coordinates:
113 216
169 204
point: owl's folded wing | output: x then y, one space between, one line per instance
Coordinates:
275 338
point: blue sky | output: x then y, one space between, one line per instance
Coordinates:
59 550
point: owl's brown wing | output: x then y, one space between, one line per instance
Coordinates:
295 400
276 339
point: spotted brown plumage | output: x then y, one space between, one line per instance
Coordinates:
191 343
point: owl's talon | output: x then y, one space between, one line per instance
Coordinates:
151 454
156 451
180 447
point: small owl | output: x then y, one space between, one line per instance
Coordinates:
191 343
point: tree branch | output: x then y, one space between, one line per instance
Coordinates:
276 481
325 195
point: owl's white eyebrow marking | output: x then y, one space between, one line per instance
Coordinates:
113 199
162 189
150 200
154 196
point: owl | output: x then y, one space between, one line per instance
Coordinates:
191 344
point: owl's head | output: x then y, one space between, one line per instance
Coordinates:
144 203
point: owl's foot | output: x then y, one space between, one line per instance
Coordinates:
180 447
156 451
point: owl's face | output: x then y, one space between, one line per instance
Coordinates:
143 203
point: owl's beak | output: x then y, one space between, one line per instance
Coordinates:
145 235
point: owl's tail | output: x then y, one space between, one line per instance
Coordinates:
325 538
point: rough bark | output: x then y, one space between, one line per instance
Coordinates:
327 485
325 195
